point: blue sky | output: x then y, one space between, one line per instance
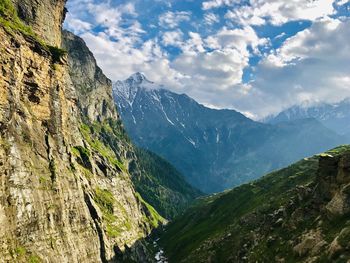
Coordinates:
255 56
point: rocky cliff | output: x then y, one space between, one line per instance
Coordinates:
65 189
298 214
45 17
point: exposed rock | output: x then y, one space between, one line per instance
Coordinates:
65 189
94 88
311 243
44 16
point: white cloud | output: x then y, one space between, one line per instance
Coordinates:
211 18
277 12
76 25
218 3
342 2
313 65
173 19
173 38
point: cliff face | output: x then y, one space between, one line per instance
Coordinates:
45 17
65 189
93 87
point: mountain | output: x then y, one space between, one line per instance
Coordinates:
334 116
66 163
214 149
297 214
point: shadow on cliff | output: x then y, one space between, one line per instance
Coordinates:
143 250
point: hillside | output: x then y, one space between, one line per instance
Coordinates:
161 184
214 149
297 214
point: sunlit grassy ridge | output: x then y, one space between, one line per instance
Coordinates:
219 226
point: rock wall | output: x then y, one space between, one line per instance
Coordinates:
65 189
94 88
44 16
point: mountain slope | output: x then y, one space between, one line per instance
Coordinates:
161 185
214 149
297 214
334 116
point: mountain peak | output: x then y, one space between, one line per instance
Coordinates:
137 78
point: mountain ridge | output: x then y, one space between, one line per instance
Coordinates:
214 149
334 116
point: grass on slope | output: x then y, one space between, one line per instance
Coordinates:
12 23
162 185
217 215
10 20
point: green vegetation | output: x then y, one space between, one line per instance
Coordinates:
101 140
83 156
34 259
244 221
20 251
12 23
153 218
161 185
105 200
22 254
10 20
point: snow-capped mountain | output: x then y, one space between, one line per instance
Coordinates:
214 149
334 116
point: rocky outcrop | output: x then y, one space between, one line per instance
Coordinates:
45 17
65 188
334 183
94 88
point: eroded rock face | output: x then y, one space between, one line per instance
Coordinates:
44 16
334 183
41 201
94 88
65 189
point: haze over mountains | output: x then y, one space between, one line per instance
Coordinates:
334 116
214 149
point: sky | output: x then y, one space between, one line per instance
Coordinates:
257 57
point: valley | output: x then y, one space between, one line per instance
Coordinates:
94 170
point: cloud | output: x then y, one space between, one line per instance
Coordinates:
76 25
313 65
276 12
211 18
213 55
173 38
218 3
173 19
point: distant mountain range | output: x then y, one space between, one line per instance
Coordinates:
214 149
334 116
